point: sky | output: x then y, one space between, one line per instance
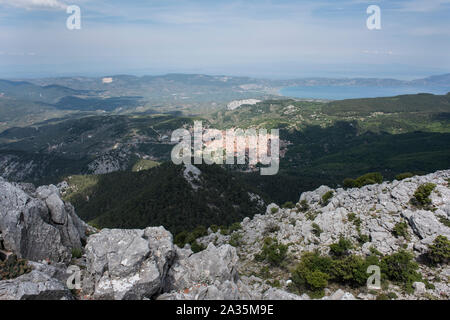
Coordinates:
260 38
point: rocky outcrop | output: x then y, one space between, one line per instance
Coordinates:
203 268
43 283
145 264
127 264
37 224
367 216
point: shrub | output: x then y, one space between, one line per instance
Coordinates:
351 216
288 205
392 295
352 269
13 268
357 222
369 178
316 281
235 227
326 198
224 231
444 221
400 267
304 206
271 228
235 239
401 230
273 252
363 238
274 210
264 273
311 215
77 253
214 228
312 273
422 194
185 237
181 239
349 183
383 296
404 175
197 247
340 248
199 231
316 230
439 251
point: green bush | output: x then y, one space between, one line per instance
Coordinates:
341 248
326 198
288 205
77 253
316 230
235 239
185 237
439 251
304 206
368 178
401 230
316 282
181 238
271 227
235 227
196 247
272 252
349 270
349 183
199 231
352 270
404 175
274 210
392 295
444 221
312 273
13 268
363 238
214 228
422 194
224 231
351 216
400 267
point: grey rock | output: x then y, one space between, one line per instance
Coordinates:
203 268
340 295
278 294
28 226
425 224
419 288
127 264
35 285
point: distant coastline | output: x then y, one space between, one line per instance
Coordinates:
331 92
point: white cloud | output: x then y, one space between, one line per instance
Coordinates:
35 4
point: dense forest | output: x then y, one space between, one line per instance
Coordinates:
163 195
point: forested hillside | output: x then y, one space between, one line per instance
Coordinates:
169 195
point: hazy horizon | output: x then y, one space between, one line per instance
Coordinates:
281 39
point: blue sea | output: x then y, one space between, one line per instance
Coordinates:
353 92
